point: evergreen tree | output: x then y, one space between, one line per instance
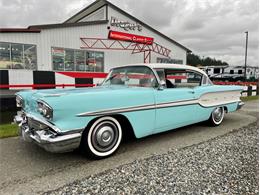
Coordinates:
196 60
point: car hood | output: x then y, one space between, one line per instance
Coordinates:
86 99
64 92
82 91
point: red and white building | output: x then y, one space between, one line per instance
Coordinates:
97 38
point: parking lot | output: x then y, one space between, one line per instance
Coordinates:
27 169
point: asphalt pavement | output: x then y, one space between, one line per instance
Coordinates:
28 169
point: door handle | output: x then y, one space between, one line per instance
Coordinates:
192 92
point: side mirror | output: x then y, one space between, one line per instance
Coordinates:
162 85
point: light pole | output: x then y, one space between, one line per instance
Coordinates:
246 54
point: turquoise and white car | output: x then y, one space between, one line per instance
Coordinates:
143 98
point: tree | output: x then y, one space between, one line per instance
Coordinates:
196 60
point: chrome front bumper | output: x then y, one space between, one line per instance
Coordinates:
46 137
240 105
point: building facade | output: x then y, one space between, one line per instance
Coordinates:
96 39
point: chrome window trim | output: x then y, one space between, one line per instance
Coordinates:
153 71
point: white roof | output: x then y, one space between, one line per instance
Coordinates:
169 66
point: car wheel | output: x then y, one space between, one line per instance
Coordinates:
217 116
103 137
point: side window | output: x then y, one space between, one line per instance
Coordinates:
193 79
182 78
161 74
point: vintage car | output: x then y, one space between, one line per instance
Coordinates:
143 98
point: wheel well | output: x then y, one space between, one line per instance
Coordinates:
128 131
127 128
225 109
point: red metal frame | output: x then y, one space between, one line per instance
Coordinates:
97 43
84 74
235 83
36 86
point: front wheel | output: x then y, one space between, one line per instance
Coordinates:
217 116
103 137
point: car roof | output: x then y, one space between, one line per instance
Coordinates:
167 66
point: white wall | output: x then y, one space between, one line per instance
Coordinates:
20 77
69 37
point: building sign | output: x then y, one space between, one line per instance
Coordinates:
130 37
125 24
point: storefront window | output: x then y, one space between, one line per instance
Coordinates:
5 57
78 60
91 61
99 56
69 60
17 56
30 58
58 58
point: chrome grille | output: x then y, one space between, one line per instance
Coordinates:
35 125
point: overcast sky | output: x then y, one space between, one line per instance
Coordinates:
212 28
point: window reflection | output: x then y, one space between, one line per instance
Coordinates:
17 56
58 58
69 60
79 60
30 57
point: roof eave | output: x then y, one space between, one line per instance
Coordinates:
105 2
63 25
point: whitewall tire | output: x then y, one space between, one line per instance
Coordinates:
103 138
217 116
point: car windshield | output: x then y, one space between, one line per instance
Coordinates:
137 76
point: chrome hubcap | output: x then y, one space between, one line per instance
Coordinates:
217 114
104 136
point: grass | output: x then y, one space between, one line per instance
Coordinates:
249 98
8 130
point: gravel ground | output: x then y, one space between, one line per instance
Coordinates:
225 165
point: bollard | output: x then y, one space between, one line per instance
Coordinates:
249 90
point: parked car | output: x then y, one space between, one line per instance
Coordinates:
227 78
147 98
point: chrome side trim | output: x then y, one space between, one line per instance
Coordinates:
177 103
199 101
118 110
140 108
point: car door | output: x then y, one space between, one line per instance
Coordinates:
176 104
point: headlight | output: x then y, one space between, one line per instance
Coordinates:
19 101
45 109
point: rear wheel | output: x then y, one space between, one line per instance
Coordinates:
217 116
103 137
